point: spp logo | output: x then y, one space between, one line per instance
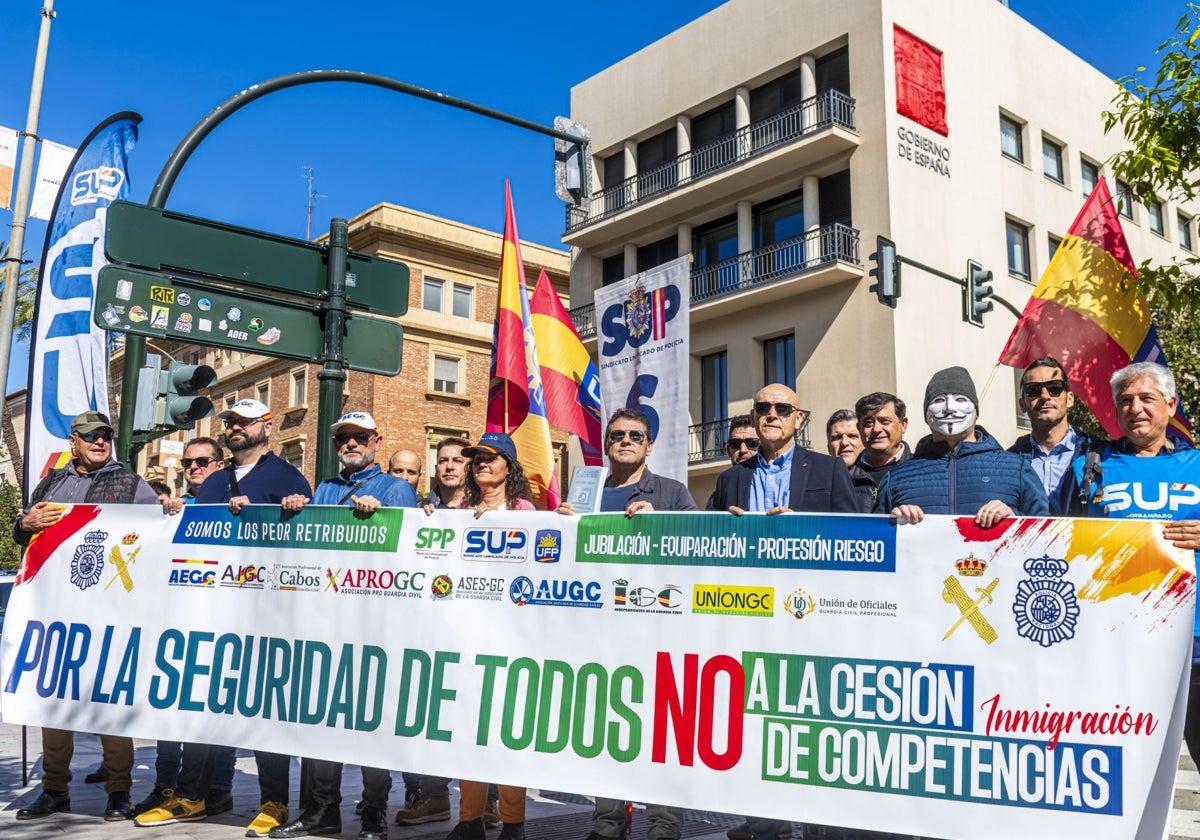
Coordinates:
434 539
640 318
502 545
555 593
547 546
647 599
1149 497
95 185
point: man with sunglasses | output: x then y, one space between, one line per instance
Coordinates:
1052 443
742 442
363 485
783 477
94 477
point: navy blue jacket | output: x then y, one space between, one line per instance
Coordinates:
961 482
271 479
820 484
1066 499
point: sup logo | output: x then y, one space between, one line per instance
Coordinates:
502 545
96 184
547 546
642 317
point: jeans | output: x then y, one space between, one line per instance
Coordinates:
166 764
665 820
273 770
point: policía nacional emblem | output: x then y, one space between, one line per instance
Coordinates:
638 312
1046 608
88 561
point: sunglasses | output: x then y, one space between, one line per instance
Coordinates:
361 438
201 462
105 435
737 443
782 409
241 422
618 435
1032 390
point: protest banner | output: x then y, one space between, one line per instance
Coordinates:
931 679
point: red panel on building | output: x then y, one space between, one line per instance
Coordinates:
920 84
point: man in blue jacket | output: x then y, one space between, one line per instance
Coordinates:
959 468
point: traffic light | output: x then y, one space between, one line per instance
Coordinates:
886 272
976 293
184 405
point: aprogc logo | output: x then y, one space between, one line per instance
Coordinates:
399 583
96 184
1167 497
502 545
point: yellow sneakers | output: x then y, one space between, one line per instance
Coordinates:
270 815
174 809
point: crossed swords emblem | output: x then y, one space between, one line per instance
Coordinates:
122 563
953 593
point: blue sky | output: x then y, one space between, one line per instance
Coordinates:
173 62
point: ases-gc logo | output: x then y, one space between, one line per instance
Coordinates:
503 545
555 593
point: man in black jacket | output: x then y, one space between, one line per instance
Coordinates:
882 422
784 477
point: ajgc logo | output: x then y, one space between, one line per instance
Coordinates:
547 546
245 577
502 545
555 593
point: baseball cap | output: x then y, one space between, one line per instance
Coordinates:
493 443
247 410
359 419
91 421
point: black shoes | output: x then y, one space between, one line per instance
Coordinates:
468 830
374 824
118 808
512 831
100 774
318 820
218 802
50 802
155 799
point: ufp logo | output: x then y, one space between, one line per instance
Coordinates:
434 539
93 185
547 546
502 545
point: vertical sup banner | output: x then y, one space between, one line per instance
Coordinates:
68 360
643 348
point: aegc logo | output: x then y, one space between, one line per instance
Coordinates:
1163 496
94 185
504 545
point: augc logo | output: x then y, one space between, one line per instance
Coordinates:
94 185
555 593
502 545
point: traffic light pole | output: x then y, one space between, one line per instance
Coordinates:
135 346
958 281
333 375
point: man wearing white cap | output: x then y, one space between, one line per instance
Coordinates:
254 476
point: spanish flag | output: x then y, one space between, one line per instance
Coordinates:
1087 313
569 375
516 401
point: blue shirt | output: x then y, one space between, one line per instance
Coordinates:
1052 467
771 485
373 481
616 499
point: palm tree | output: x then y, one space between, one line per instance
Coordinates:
22 330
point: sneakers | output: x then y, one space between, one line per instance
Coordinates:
758 828
156 799
512 831
425 810
174 809
468 830
491 814
218 802
270 815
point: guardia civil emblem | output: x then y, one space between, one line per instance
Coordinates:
1046 608
638 313
799 604
88 562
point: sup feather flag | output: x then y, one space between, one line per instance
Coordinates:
569 377
516 398
1087 313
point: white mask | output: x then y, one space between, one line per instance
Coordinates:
950 414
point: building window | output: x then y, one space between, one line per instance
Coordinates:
446 374
1089 175
1124 202
462 300
779 361
1010 139
262 392
656 253
1155 216
431 294
229 400
612 269
1052 160
1054 242
1185 232
714 387
713 125
293 453
299 391
1018 249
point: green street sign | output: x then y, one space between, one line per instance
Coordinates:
156 305
157 239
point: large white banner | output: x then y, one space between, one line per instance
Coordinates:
1027 681
644 363
52 168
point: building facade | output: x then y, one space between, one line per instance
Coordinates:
442 388
773 142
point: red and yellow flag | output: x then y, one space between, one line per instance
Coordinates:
1087 313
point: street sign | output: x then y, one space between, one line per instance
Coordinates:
156 305
157 239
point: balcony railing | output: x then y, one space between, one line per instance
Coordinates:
832 243
813 114
706 441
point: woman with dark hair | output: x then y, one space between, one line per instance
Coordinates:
495 481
